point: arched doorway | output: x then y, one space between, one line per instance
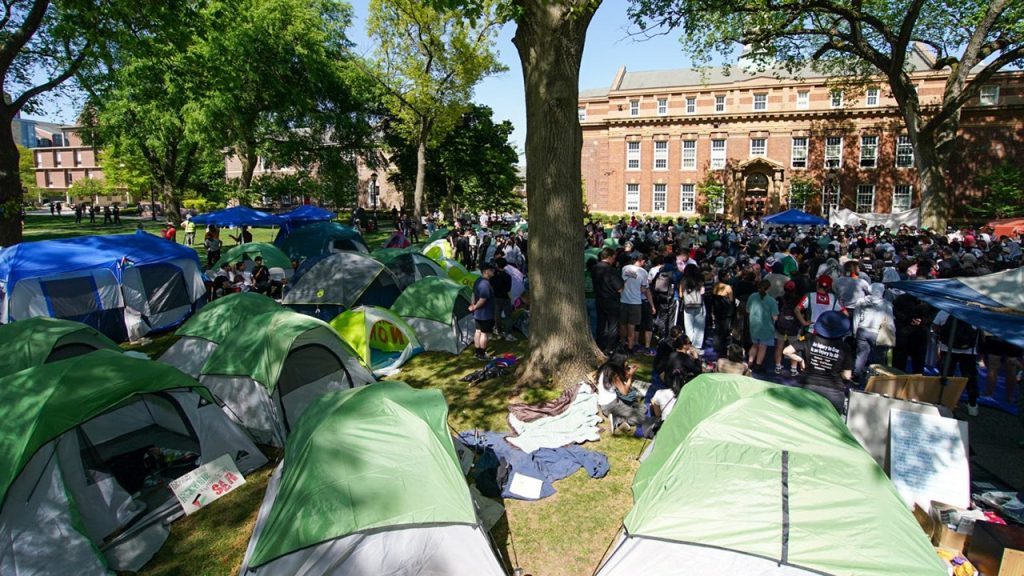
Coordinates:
755 195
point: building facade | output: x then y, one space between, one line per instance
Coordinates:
62 159
652 138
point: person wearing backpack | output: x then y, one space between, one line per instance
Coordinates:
959 340
787 330
663 286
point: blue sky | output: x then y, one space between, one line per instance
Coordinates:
608 47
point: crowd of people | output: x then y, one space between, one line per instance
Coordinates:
817 297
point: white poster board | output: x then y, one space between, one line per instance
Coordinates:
928 461
207 483
867 417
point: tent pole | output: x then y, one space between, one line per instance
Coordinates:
947 360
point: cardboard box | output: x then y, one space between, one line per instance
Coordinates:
941 533
997 550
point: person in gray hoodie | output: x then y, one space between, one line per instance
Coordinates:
874 328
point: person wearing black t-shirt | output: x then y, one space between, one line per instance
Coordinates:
608 284
828 359
501 285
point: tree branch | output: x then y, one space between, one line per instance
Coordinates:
16 41
70 71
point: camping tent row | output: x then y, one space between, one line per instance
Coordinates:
340 502
747 477
264 362
125 286
42 340
90 444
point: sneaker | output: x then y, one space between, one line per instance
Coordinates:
510 338
778 369
623 428
972 409
794 371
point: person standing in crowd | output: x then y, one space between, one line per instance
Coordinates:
999 353
828 359
213 246
244 236
190 231
107 215
958 343
913 317
78 213
723 311
635 288
483 309
664 283
874 327
170 232
608 285
117 214
762 311
501 285
851 288
813 305
691 294
787 329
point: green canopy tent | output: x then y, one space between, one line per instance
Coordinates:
264 362
273 257
438 310
370 484
77 495
748 477
408 266
381 339
40 340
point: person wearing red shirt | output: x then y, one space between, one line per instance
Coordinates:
170 233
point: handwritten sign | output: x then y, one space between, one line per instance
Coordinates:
200 487
927 459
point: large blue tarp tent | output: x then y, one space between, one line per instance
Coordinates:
305 214
123 285
794 218
239 216
993 302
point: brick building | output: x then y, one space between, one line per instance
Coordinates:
652 137
61 159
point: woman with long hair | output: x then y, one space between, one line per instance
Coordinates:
616 395
723 311
691 294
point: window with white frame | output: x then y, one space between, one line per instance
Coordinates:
758 147
720 103
989 95
687 198
830 196
78 157
689 155
659 199
632 197
633 155
760 102
904 152
837 99
799 153
717 154
662 106
39 159
582 114
833 151
868 151
68 178
661 155
58 158
49 179
865 198
902 196
691 104
871 97
803 99
634 107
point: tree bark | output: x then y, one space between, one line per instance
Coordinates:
421 171
550 38
11 189
247 155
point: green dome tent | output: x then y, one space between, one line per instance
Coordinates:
319 239
77 496
439 234
340 282
40 340
438 249
438 310
748 477
273 257
408 266
381 339
370 484
266 363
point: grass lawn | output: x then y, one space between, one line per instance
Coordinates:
566 534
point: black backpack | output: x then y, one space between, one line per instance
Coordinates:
787 322
966 336
663 282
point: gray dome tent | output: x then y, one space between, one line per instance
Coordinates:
341 282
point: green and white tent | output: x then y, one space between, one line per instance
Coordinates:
40 340
341 282
273 257
78 496
264 362
438 249
408 266
370 485
751 478
438 310
381 339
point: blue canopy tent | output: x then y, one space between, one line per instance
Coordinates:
794 218
305 214
122 285
239 216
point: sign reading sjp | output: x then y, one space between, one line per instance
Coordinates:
207 483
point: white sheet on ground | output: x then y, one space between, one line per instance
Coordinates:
575 425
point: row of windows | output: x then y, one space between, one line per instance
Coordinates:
902 198
759 148
69 178
988 96
58 158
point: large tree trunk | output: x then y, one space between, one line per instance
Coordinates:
550 37
247 155
11 190
421 171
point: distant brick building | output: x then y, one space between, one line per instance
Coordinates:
652 137
61 159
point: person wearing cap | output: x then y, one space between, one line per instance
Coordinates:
787 330
483 309
828 360
813 305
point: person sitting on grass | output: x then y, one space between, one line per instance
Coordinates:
733 362
616 395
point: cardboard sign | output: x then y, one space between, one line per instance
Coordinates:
867 417
207 483
927 459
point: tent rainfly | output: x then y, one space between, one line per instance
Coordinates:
438 310
341 282
272 255
264 362
438 249
370 484
238 216
78 495
42 340
408 266
748 477
794 217
125 286
319 239
381 339
307 214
